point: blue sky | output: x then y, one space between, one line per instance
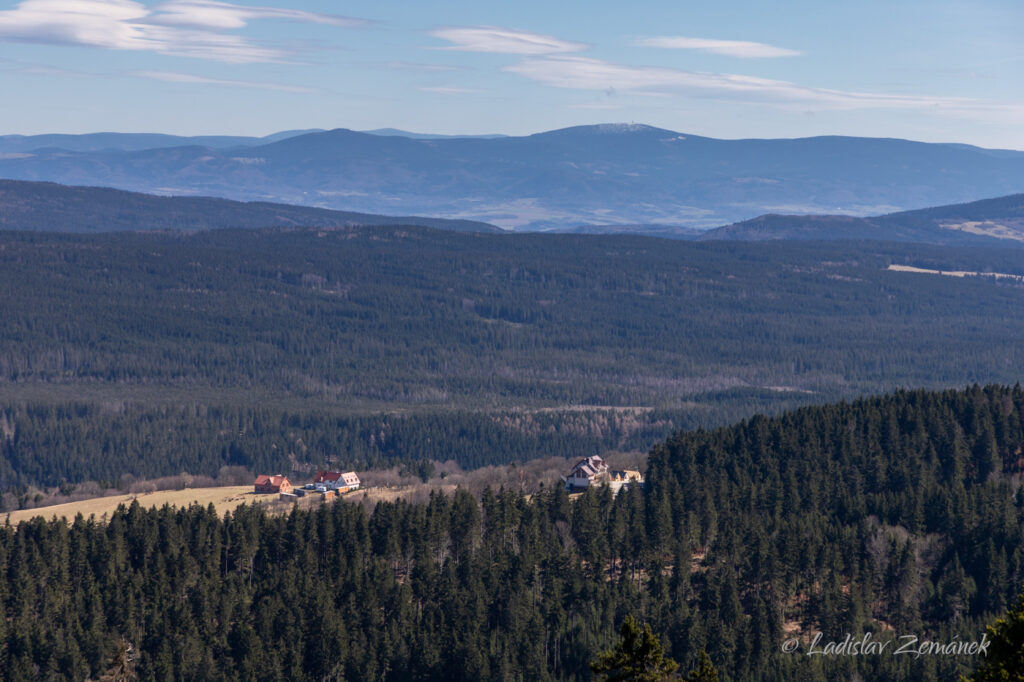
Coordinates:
934 71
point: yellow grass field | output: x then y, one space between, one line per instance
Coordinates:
224 499
956 273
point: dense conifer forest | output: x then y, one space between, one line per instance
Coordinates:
49 207
149 354
898 515
44 444
415 317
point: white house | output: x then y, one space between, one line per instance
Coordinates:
586 472
595 471
336 480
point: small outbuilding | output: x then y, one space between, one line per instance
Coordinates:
624 478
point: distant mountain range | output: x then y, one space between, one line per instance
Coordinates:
48 207
95 142
395 132
588 175
14 145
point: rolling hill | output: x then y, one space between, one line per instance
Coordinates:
614 173
986 221
45 206
95 142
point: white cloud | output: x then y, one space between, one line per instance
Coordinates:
503 41
175 77
222 15
100 23
729 48
584 73
190 28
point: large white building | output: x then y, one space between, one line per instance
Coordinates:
336 480
585 472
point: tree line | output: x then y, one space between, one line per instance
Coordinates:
49 444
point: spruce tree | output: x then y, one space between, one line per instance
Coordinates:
638 657
1005 659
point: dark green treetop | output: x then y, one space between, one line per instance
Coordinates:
638 656
1005 659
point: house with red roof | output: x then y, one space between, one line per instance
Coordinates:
337 480
266 483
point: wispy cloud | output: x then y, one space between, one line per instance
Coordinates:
503 41
583 73
222 15
729 48
451 90
175 77
189 28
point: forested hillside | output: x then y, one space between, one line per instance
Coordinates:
49 207
47 445
414 316
902 512
999 220
150 354
894 515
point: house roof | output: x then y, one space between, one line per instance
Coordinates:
349 477
266 479
590 467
